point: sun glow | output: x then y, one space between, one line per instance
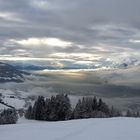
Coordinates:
42 41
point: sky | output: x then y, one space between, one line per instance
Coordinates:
81 32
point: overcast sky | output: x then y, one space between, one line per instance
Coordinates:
75 30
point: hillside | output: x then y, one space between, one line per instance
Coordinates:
90 129
9 73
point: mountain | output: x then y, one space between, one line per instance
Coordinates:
127 62
33 65
8 73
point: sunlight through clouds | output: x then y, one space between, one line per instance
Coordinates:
42 41
134 41
63 29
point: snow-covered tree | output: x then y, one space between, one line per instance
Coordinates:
8 116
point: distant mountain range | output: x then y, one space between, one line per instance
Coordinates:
9 73
103 63
126 63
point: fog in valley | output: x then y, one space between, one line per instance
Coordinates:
118 87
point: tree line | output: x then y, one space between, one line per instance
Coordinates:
59 108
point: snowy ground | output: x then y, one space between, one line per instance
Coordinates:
90 129
15 98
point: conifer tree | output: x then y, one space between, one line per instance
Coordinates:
28 113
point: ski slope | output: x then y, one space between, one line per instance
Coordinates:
90 129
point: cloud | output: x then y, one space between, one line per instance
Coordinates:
10 17
68 29
41 4
134 41
42 41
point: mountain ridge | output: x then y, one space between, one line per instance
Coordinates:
9 73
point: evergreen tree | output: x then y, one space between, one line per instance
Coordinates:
94 104
114 112
8 116
54 109
137 114
77 113
47 109
128 113
103 108
28 113
91 108
59 108
38 109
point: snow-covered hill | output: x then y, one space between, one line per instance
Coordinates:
90 129
14 99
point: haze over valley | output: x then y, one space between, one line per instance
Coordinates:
117 86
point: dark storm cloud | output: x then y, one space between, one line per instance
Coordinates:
102 27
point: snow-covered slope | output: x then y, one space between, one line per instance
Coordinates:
90 129
15 99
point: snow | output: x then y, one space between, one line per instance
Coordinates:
17 103
16 98
86 129
3 107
